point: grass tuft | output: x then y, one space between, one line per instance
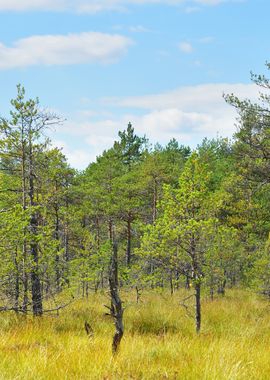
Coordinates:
159 341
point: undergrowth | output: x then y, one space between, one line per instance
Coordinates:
159 342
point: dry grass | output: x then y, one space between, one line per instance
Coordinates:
159 341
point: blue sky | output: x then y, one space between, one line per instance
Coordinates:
161 64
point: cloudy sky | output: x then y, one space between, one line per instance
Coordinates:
161 64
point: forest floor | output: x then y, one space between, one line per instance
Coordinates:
159 342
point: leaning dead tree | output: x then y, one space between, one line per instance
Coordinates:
116 309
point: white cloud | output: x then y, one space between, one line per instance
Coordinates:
189 114
185 47
162 125
21 5
96 137
201 98
63 50
92 6
77 158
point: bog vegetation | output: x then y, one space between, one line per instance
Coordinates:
169 239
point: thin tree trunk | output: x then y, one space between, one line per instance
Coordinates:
83 288
198 306
128 252
212 293
87 289
17 283
57 259
66 253
196 277
171 283
35 276
110 230
116 303
24 247
25 281
154 212
138 294
212 285
187 284
98 232
221 287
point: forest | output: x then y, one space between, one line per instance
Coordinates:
153 262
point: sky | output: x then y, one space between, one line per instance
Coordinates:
162 65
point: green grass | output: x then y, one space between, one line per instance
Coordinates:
159 342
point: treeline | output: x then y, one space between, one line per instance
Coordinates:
181 218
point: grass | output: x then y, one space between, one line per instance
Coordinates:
159 341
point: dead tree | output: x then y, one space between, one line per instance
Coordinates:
138 293
116 309
88 329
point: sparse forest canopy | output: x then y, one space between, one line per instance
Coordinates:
139 217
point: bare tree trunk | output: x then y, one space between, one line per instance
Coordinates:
221 287
196 276
24 247
66 250
154 211
17 283
171 282
110 226
212 283
212 293
128 253
25 279
83 288
138 294
198 306
98 232
35 276
116 303
177 277
187 284
57 259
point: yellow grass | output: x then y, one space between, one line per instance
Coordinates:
159 342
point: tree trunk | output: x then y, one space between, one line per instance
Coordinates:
110 230
35 276
24 247
98 232
196 275
116 303
57 259
17 284
128 253
198 306
154 212
25 279
212 285
171 283
212 293
187 284
66 254
221 287
138 294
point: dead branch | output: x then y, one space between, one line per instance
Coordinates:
89 330
182 303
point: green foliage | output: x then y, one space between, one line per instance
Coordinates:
180 218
